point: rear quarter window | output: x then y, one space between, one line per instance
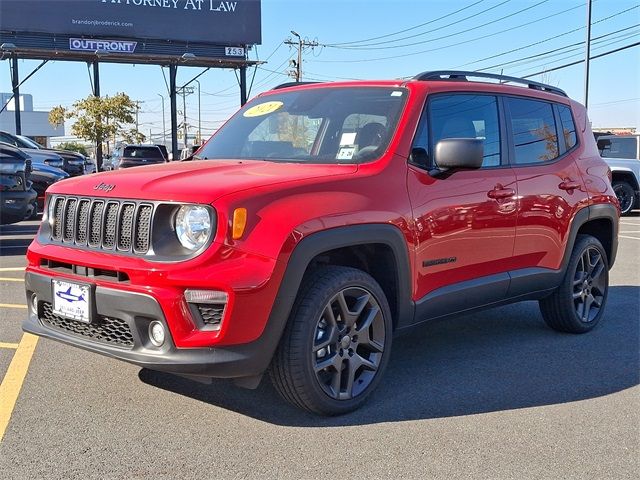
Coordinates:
568 127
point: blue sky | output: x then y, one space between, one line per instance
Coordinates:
447 40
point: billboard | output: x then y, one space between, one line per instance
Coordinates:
215 22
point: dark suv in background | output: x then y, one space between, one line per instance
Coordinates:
137 156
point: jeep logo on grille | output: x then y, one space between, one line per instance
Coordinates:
104 187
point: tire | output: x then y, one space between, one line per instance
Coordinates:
578 304
625 194
336 344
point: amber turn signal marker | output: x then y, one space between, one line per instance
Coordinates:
239 222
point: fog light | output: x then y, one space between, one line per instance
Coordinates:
156 333
34 303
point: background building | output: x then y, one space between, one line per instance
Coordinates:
34 124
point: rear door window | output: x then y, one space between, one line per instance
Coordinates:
533 129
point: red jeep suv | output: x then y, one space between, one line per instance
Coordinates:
321 220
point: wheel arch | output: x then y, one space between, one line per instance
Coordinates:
626 176
599 221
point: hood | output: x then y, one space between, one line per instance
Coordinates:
53 171
41 155
197 181
68 154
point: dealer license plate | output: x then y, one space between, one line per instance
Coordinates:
71 300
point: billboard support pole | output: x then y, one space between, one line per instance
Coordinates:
15 81
96 93
174 111
243 85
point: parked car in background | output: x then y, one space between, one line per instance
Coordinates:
164 151
42 177
70 162
188 152
137 156
17 198
622 154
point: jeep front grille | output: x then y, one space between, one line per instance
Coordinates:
121 225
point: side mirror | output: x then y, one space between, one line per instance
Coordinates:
454 153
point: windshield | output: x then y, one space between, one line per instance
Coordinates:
316 125
142 152
26 142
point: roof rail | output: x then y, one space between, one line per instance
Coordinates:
462 76
292 84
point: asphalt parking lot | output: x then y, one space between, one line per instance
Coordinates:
490 395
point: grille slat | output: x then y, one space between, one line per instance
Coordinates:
111 221
114 331
211 314
125 232
143 229
83 220
58 211
103 224
70 219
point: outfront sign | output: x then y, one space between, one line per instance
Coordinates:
218 22
89 45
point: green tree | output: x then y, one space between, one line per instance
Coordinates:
74 147
99 119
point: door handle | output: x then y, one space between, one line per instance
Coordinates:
568 185
500 192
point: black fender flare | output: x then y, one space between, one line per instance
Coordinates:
604 211
315 244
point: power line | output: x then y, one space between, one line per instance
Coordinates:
372 46
549 52
578 62
300 45
486 36
407 29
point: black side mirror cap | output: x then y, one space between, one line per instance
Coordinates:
457 153
419 156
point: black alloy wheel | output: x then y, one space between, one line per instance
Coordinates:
589 285
349 343
336 344
577 305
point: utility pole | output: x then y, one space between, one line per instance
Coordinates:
185 91
199 115
587 56
137 111
164 128
300 45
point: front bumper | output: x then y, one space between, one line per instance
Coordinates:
137 311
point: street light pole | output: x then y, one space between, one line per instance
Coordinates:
164 128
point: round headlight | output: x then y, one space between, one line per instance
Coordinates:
193 226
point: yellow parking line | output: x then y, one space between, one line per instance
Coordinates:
9 345
7 279
14 378
12 269
12 305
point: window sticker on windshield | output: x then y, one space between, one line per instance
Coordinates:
263 109
396 93
346 153
348 139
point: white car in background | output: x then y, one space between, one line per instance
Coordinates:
622 154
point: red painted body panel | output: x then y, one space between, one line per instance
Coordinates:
287 202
